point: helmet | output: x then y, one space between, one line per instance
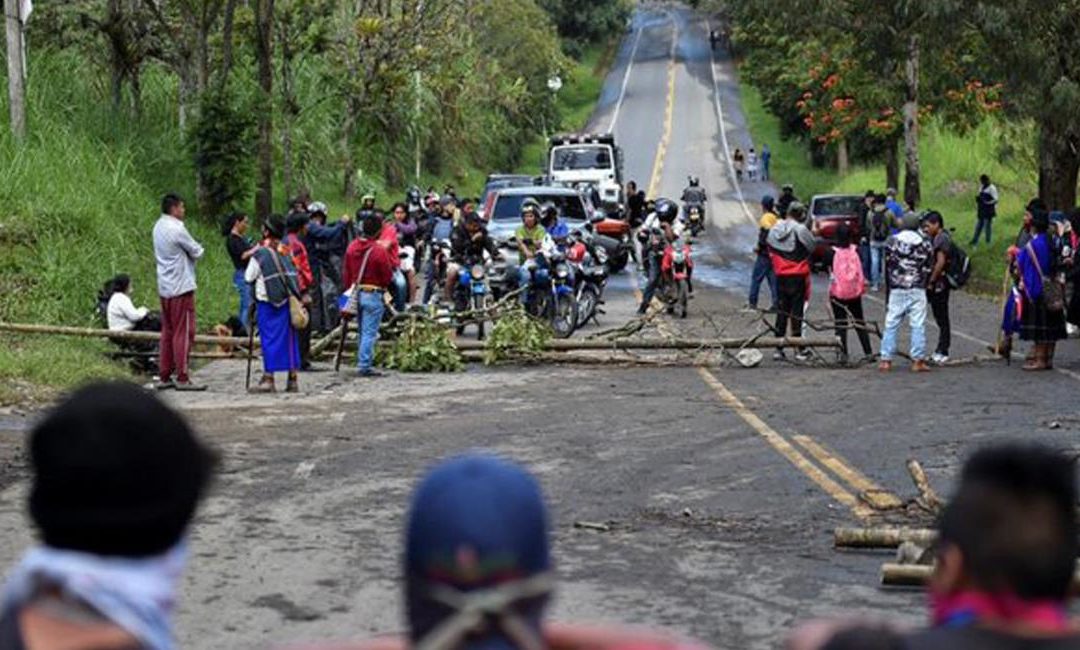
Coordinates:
412 197
317 208
694 181
548 211
667 210
530 205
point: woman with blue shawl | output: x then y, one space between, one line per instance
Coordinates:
1040 322
272 272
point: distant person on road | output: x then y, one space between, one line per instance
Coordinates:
881 224
739 160
1005 559
274 277
368 272
1042 314
1014 300
846 288
787 197
866 209
240 249
986 202
907 271
752 164
790 245
176 252
763 269
117 478
766 159
938 290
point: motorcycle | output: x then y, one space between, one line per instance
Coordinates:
473 292
590 275
675 277
440 259
695 218
551 295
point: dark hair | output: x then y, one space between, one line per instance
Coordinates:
869 194
1040 221
1074 220
1013 519
116 473
372 225
1036 205
121 283
984 179
401 205
934 217
230 221
275 226
845 235
170 201
296 221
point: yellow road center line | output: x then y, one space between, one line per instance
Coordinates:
669 111
873 493
785 448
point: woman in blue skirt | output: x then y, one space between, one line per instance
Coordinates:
272 272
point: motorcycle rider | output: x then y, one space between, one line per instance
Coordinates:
468 241
694 195
530 237
440 227
556 228
665 219
787 197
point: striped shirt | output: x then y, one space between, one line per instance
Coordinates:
176 251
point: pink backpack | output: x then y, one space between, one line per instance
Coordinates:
848 281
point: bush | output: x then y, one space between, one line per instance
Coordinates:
515 336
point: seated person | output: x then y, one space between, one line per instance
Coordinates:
121 313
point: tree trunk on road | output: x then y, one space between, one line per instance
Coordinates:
1059 164
264 19
911 123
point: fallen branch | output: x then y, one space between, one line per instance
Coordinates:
928 498
882 537
325 342
90 332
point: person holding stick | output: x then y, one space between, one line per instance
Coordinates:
368 272
272 272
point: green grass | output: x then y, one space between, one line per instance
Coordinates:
951 165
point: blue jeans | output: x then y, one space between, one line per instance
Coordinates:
244 290
909 304
877 259
371 312
524 277
762 270
400 289
864 257
983 224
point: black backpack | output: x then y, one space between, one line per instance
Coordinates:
958 267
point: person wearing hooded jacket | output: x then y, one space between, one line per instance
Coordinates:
790 245
763 269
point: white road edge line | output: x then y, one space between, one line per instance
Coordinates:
723 131
625 81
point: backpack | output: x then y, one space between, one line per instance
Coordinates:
848 282
958 267
879 226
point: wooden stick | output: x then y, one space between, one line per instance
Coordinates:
882 537
327 340
930 500
917 575
90 332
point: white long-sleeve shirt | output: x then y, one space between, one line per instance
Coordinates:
122 313
176 251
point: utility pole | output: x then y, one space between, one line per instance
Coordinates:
16 67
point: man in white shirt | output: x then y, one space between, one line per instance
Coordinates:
176 252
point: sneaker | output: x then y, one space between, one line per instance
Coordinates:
190 387
164 384
939 359
803 355
779 356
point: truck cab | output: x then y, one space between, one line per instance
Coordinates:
591 160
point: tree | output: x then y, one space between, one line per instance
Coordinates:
264 54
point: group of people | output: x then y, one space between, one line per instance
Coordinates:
118 477
751 165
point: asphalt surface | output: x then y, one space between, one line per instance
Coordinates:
720 486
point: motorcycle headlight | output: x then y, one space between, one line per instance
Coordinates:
477 272
679 258
562 271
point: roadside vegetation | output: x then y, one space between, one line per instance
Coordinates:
126 103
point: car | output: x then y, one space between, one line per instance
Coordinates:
828 212
503 181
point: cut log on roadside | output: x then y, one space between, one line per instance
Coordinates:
90 332
889 537
917 575
928 499
325 342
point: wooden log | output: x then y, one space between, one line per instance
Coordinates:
193 355
917 575
90 332
928 498
888 537
325 342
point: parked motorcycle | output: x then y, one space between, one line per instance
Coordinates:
590 275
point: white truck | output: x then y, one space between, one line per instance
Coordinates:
590 162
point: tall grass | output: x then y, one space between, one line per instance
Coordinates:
951 164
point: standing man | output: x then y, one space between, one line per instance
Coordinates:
881 222
766 158
369 271
787 197
907 271
865 212
893 205
986 202
763 269
937 293
790 245
176 252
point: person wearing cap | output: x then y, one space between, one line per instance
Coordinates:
469 240
274 276
326 248
1037 266
117 477
790 245
763 269
297 226
368 272
176 253
787 197
892 204
908 256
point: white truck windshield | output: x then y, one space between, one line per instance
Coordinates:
579 158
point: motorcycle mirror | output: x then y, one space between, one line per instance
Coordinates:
597 216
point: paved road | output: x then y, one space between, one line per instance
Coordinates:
721 486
